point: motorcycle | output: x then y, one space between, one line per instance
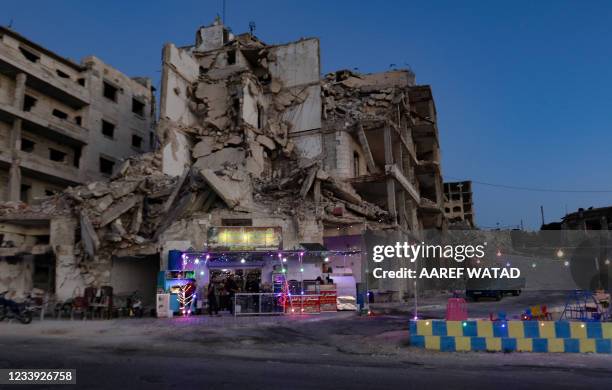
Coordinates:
134 305
11 309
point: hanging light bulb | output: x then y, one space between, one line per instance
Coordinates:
284 259
560 253
242 261
326 259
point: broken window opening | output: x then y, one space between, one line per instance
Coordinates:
81 81
29 55
151 140
78 120
231 57
136 141
59 114
49 193
29 102
355 164
260 124
138 107
456 209
110 92
106 166
27 145
236 107
24 193
57 155
108 129
62 74
76 158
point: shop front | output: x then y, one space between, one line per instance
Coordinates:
246 271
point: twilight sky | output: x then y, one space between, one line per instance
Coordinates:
523 89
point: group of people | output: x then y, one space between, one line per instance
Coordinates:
221 294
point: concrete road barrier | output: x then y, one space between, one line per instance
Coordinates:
509 336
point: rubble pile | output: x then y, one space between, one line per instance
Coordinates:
352 98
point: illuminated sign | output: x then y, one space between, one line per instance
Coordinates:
244 238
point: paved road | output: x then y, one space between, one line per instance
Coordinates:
331 353
120 368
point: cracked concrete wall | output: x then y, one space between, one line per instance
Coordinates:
296 66
16 275
179 71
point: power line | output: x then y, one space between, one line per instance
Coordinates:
532 189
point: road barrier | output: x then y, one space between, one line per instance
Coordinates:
509 336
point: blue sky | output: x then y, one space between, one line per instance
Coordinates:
522 88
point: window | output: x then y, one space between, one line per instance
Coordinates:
30 55
106 166
56 155
231 57
108 129
110 92
136 141
62 74
24 194
78 120
27 145
81 81
355 164
59 114
29 102
151 140
138 107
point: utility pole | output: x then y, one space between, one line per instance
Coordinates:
542 213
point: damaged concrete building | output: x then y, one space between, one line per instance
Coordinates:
65 123
458 203
252 136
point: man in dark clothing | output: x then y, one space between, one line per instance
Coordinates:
211 294
232 288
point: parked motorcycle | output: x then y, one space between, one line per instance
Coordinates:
11 309
134 305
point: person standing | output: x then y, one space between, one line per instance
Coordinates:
211 294
232 288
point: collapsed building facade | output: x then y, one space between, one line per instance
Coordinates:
252 136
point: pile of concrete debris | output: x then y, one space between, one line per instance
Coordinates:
351 98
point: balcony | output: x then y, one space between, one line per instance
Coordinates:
58 129
45 169
42 79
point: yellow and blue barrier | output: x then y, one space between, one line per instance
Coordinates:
509 336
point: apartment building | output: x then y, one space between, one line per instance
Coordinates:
458 203
64 123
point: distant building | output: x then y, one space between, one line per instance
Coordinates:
458 204
63 123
